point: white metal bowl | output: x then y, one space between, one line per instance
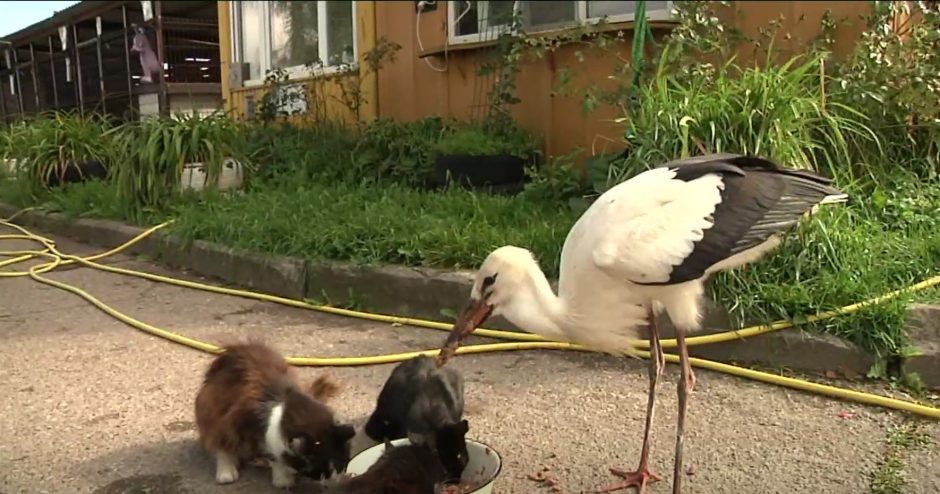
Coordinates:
482 469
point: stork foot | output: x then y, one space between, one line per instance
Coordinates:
639 479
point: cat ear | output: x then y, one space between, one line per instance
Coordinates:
344 432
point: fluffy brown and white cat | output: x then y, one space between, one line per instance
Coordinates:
252 406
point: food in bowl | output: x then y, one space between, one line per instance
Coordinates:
479 477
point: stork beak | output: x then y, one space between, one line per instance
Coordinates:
473 315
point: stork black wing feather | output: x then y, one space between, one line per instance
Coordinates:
758 201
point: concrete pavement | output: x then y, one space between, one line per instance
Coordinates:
92 405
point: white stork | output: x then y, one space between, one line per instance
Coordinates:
644 246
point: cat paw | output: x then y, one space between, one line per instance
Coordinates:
226 476
226 469
282 476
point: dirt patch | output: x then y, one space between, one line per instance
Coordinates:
145 484
180 426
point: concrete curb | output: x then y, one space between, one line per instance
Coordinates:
424 293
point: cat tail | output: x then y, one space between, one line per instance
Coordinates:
325 387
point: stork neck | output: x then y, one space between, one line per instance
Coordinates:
539 311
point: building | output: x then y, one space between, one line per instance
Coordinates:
93 56
443 45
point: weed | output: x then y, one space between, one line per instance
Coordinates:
902 441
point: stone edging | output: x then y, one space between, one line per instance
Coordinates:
423 293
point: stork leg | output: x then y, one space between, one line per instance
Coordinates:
643 475
686 384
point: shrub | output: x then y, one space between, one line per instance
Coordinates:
155 151
402 152
484 139
46 145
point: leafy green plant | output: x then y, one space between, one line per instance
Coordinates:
351 88
893 76
288 152
479 139
156 151
45 146
403 152
558 181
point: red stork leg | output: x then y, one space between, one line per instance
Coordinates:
643 475
686 384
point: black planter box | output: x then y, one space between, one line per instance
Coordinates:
480 171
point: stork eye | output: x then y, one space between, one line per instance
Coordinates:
489 280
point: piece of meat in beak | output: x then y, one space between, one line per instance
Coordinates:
473 315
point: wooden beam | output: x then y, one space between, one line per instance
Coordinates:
32 73
127 54
78 71
55 88
161 56
19 85
101 89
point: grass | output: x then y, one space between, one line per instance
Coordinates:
372 224
850 254
903 440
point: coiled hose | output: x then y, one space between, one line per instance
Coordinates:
518 341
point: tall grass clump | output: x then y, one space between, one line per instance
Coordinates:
155 151
775 111
46 145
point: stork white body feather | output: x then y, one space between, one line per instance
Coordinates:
644 247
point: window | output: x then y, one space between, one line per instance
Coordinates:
485 20
291 35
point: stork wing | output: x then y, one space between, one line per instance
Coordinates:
699 212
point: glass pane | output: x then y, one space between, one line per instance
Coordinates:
339 31
499 13
467 18
542 14
600 9
252 37
294 37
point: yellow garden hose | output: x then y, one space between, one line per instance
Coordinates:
523 341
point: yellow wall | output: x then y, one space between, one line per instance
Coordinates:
326 90
408 89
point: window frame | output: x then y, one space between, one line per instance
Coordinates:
581 18
297 71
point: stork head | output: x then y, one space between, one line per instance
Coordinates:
499 282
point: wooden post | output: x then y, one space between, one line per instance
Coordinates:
55 86
3 101
78 70
161 55
19 84
104 104
32 73
127 59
